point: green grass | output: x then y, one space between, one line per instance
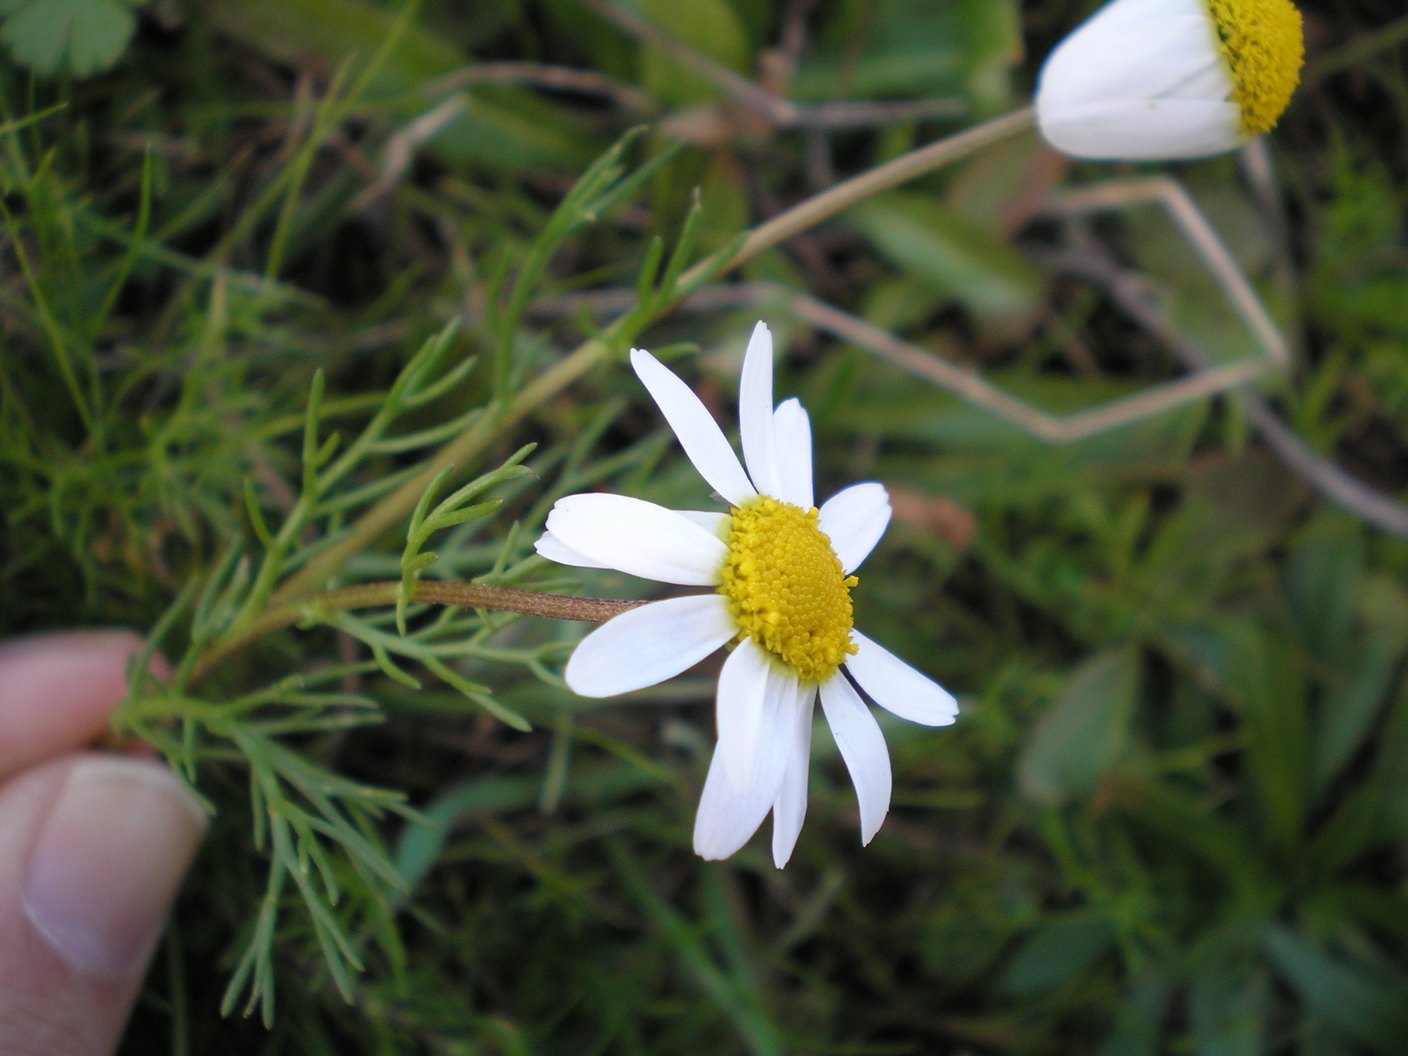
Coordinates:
250 309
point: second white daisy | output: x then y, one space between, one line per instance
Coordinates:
1169 79
781 573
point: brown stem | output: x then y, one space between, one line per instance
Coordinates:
842 196
430 592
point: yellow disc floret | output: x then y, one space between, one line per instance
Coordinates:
786 587
1264 46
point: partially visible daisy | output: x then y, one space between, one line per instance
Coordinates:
781 573
1170 79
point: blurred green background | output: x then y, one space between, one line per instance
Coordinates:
1173 815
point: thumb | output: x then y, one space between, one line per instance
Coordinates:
92 851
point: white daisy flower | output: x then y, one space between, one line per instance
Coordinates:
1170 79
781 573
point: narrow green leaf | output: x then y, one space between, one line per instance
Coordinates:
962 259
310 433
681 255
1323 580
1084 731
1228 1011
1270 695
477 693
421 563
1061 952
711 27
391 669
256 515
730 993
649 267
1355 1003
451 518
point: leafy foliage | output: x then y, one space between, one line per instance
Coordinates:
327 296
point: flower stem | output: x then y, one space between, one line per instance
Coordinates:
431 592
906 167
468 445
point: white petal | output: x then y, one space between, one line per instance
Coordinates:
638 537
1144 130
1112 26
1142 80
1212 83
755 424
790 808
554 549
711 521
897 687
727 817
854 519
695 428
1143 61
863 750
738 708
792 430
644 646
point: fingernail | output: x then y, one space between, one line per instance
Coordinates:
107 862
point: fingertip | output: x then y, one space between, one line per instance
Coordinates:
58 690
108 859
92 850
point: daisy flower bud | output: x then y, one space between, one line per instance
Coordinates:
1170 79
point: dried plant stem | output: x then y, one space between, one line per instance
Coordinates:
967 384
425 592
838 199
1127 290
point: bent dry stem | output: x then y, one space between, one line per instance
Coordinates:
426 592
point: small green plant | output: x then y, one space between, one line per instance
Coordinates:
76 38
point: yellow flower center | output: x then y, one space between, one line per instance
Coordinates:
1264 46
786 588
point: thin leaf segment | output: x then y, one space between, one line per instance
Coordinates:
786 587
